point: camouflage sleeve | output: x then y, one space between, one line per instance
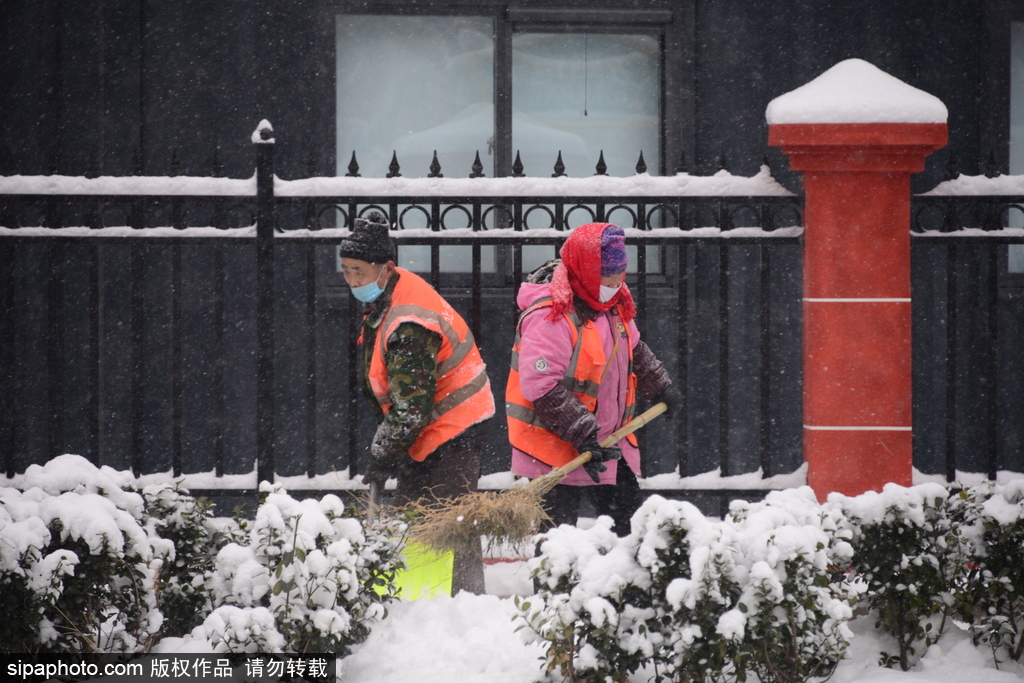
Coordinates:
411 361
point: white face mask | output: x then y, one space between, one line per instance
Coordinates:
608 292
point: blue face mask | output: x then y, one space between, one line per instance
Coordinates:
370 292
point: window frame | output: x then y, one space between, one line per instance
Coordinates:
660 19
1000 18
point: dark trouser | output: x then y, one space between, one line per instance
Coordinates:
450 471
618 501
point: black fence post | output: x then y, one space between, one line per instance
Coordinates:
264 141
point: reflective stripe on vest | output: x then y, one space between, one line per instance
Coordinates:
527 431
462 396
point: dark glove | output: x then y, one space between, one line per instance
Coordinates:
671 397
376 475
385 452
598 456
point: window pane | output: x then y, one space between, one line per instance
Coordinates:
454 259
412 85
409 86
581 94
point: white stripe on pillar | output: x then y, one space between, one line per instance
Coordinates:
859 301
857 429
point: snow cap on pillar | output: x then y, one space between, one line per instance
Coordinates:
855 91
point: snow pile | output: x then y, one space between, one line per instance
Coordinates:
855 91
467 639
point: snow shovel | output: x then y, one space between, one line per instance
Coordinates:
511 516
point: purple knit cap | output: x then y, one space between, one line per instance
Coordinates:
613 251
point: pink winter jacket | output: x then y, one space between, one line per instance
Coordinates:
552 342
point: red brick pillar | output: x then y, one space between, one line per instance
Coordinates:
856 309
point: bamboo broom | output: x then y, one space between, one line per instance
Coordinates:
512 516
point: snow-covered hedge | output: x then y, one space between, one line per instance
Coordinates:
92 564
770 589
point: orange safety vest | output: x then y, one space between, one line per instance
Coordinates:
463 395
526 431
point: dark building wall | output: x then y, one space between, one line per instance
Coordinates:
122 77
748 54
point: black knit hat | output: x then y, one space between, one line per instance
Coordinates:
369 240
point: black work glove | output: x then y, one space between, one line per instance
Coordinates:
598 456
376 476
385 452
671 397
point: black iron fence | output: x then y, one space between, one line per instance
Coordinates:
209 331
968 319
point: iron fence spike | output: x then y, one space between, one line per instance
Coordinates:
952 173
517 167
435 168
478 168
559 167
992 168
393 169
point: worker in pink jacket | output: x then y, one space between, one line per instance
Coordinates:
578 367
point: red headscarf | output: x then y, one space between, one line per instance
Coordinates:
580 274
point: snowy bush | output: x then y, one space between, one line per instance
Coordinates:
696 599
796 601
912 557
993 596
307 578
185 564
769 591
77 561
694 585
92 565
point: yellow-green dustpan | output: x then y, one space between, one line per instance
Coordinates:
427 574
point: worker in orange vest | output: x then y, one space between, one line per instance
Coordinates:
578 368
424 380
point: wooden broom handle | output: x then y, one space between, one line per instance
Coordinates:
613 438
